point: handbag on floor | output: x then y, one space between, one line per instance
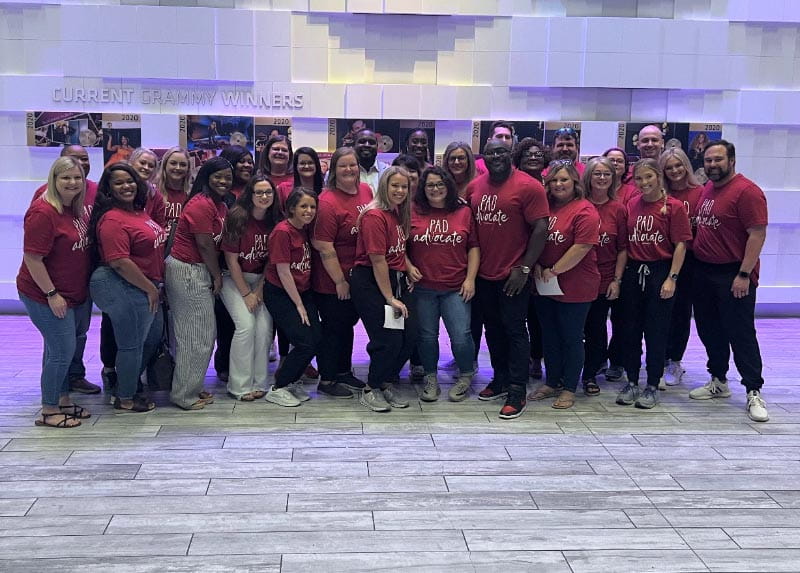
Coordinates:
162 365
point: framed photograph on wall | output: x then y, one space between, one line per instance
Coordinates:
675 135
522 129
61 128
342 133
216 132
122 133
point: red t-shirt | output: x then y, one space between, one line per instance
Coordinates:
380 233
176 198
337 223
156 207
626 192
579 167
88 200
438 245
504 214
288 244
576 223
63 241
251 246
613 239
651 235
236 190
133 235
284 189
723 216
689 196
200 215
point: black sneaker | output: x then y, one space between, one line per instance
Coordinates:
493 391
614 373
514 406
83 386
334 390
349 379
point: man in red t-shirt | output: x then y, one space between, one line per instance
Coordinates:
502 131
511 212
731 229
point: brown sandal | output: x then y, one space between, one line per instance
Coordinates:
75 411
249 397
206 397
258 394
45 421
565 400
543 393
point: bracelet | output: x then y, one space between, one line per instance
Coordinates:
389 300
618 280
553 271
337 283
246 295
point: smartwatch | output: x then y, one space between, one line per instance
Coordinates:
525 270
674 276
51 293
743 275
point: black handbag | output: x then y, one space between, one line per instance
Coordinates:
162 365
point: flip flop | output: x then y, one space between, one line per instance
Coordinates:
543 393
565 400
206 397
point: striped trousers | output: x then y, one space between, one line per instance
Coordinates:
192 309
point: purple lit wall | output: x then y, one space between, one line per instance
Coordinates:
732 62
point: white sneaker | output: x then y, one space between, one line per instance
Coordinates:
714 388
297 390
393 397
756 407
374 400
282 397
662 384
673 373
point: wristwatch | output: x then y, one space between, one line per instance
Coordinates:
525 270
51 293
674 276
743 275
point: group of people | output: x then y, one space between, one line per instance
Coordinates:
526 244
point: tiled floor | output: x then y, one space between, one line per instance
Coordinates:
442 487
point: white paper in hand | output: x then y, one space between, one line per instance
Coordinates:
392 318
549 288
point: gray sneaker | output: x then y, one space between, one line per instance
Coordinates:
756 407
431 391
648 399
714 388
628 394
282 397
296 388
460 390
375 401
393 397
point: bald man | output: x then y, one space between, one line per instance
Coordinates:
650 142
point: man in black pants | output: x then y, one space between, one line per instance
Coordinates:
731 229
511 210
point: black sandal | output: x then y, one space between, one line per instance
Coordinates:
138 406
590 387
76 411
61 424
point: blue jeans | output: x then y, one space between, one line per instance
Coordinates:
456 314
136 329
562 340
60 341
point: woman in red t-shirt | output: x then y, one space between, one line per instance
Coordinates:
288 296
680 183
568 258
600 180
275 160
53 283
244 243
444 243
459 161
658 229
243 167
193 278
334 238
379 277
126 283
172 182
307 173
624 188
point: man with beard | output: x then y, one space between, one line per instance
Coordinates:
731 229
366 146
566 146
502 131
511 211
417 145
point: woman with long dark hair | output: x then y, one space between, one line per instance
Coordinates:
248 225
242 161
53 284
443 241
459 161
126 283
334 239
193 278
307 173
379 277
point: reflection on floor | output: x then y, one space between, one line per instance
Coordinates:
329 486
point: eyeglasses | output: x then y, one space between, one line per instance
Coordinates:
566 131
306 164
457 159
437 185
600 174
279 150
561 163
266 193
533 155
497 152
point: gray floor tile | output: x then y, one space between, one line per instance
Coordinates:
15 507
111 443
180 457
253 470
357 501
101 488
61 472
732 517
766 537
52 525
634 561
534 483
706 538
593 500
480 468
327 440
327 485
791 453
559 540
48 458
388 454
178 504
748 482
501 519
711 499
93 546
182 564
750 560
787 499
596 452
646 517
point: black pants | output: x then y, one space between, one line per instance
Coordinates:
388 349
595 336
562 340
108 344
646 313
303 338
338 317
616 352
534 330
681 323
506 335
225 330
476 326
725 323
